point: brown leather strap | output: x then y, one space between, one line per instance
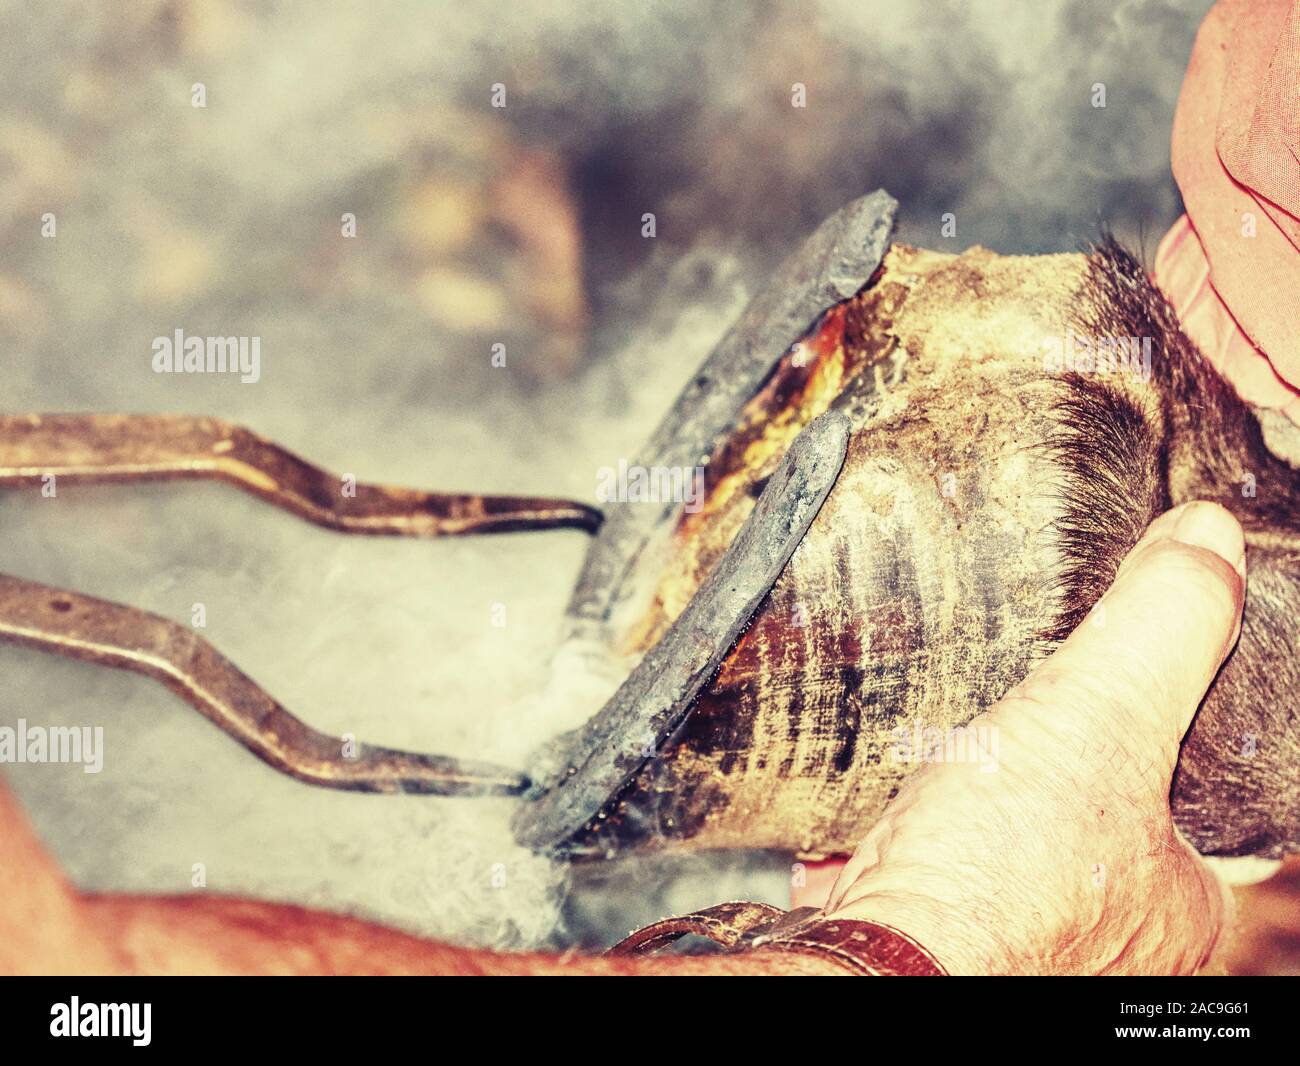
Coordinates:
862 948
868 949
724 924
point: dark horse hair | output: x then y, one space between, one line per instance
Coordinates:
1129 448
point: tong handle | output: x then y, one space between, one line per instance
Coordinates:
110 634
108 447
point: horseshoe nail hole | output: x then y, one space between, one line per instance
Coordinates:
62 606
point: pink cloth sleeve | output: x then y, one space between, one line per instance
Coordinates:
1231 265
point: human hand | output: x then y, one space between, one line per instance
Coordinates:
1066 859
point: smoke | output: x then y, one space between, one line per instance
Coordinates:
228 220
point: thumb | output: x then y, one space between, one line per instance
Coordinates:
1148 652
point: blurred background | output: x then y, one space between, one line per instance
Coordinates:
475 225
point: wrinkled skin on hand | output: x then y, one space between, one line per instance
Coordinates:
1065 859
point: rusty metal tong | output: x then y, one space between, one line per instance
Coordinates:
578 772
128 448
